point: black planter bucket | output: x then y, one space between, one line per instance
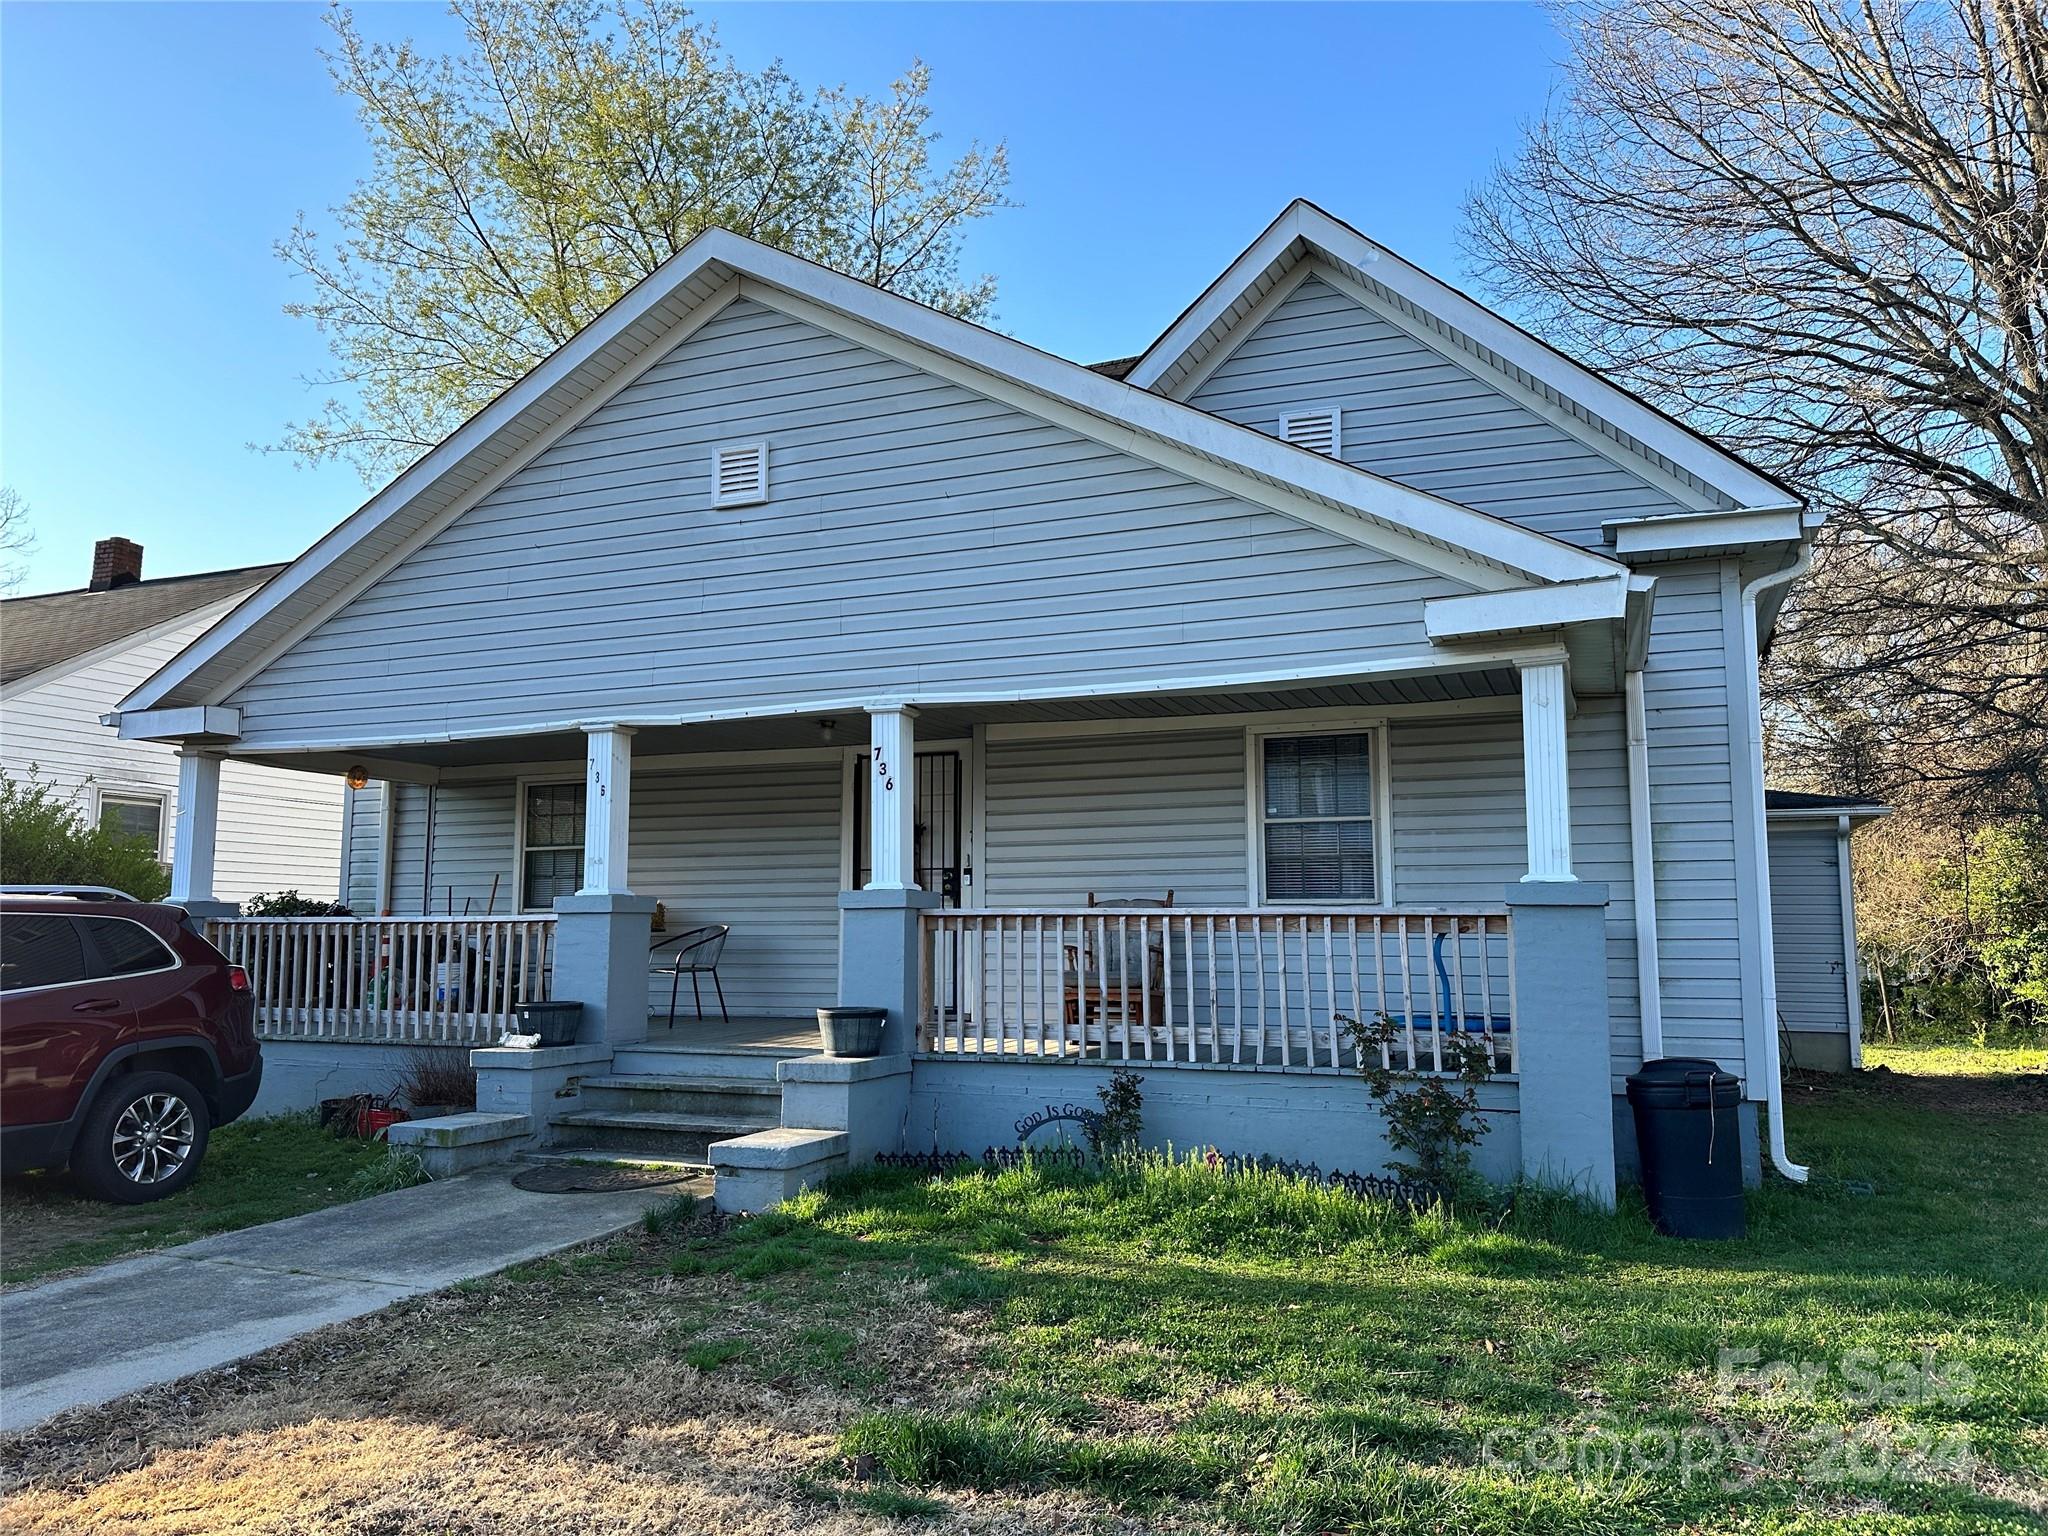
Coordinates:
852 1031
555 1023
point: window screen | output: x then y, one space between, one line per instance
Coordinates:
39 951
1317 818
554 844
126 949
132 816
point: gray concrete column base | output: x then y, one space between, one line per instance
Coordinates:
878 959
538 1084
1563 1053
755 1173
601 962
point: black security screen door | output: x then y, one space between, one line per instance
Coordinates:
940 846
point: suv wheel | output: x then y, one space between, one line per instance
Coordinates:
142 1139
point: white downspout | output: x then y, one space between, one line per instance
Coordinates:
1649 983
1852 970
1767 948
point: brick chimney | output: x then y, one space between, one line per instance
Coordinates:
115 563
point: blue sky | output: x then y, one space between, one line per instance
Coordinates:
151 154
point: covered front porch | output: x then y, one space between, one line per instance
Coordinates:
1214 879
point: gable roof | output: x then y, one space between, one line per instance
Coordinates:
1303 232
693 285
40 632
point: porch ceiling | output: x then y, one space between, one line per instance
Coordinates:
950 722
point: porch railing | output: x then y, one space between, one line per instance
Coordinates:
1234 987
402 980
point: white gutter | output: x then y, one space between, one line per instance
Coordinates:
1649 984
1851 967
1754 762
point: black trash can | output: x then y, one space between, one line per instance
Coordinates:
555 1023
1689 1137
852 1031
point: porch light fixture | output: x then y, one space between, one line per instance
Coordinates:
828 730
357 777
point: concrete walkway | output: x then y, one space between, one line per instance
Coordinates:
85 1340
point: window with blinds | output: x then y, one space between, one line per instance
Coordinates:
1316 821
551 855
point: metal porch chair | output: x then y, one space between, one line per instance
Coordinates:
696 954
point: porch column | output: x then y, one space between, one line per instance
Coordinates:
607 809
601 932
1545 779
892 803
198 826
1564 1097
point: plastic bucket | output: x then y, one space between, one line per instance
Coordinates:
852 1031
555 1023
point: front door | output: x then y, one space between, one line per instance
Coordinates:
939 854
940 851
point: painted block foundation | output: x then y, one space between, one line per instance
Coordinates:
1322 1118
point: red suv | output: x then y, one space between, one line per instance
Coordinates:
124 1039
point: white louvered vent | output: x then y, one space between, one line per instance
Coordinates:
1315 430
739 474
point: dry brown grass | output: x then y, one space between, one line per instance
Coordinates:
529 1404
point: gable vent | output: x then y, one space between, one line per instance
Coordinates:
1316 430
739 474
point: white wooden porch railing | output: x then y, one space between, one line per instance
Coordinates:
1240 987
405 980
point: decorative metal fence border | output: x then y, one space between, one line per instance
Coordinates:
1404 1193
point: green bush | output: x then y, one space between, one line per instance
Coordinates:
291 904
46 840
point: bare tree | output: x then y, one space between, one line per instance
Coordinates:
570 147
1816 231
15 538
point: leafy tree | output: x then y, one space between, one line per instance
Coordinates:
524 183
1817 231
46 840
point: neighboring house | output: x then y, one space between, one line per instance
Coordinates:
68 658
1413 662
1813 923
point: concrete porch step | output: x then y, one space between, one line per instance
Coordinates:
683 1138
727 1063
609 1159
747 1097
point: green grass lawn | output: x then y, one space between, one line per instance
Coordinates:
1958 1060
1173 1349
255 1171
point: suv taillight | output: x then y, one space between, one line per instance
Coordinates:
238 979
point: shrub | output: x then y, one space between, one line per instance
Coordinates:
1434 1123
1123 1114
437 1074
46 840
291 904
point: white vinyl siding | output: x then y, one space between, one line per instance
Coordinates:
920 537
1410 413
278 828
1806 927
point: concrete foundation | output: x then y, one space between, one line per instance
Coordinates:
1325 1118
298 1074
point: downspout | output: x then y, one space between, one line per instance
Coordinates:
1649 982
1774 1085
1851 968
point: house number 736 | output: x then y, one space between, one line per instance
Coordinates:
882 773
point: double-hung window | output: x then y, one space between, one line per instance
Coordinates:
1317 836
134 816
551 846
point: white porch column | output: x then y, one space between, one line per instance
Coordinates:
607 810
197 827
892 806
1545 779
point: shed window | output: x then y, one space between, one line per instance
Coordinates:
133 816
552 849
1316 818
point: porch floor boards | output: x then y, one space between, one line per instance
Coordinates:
769 1036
